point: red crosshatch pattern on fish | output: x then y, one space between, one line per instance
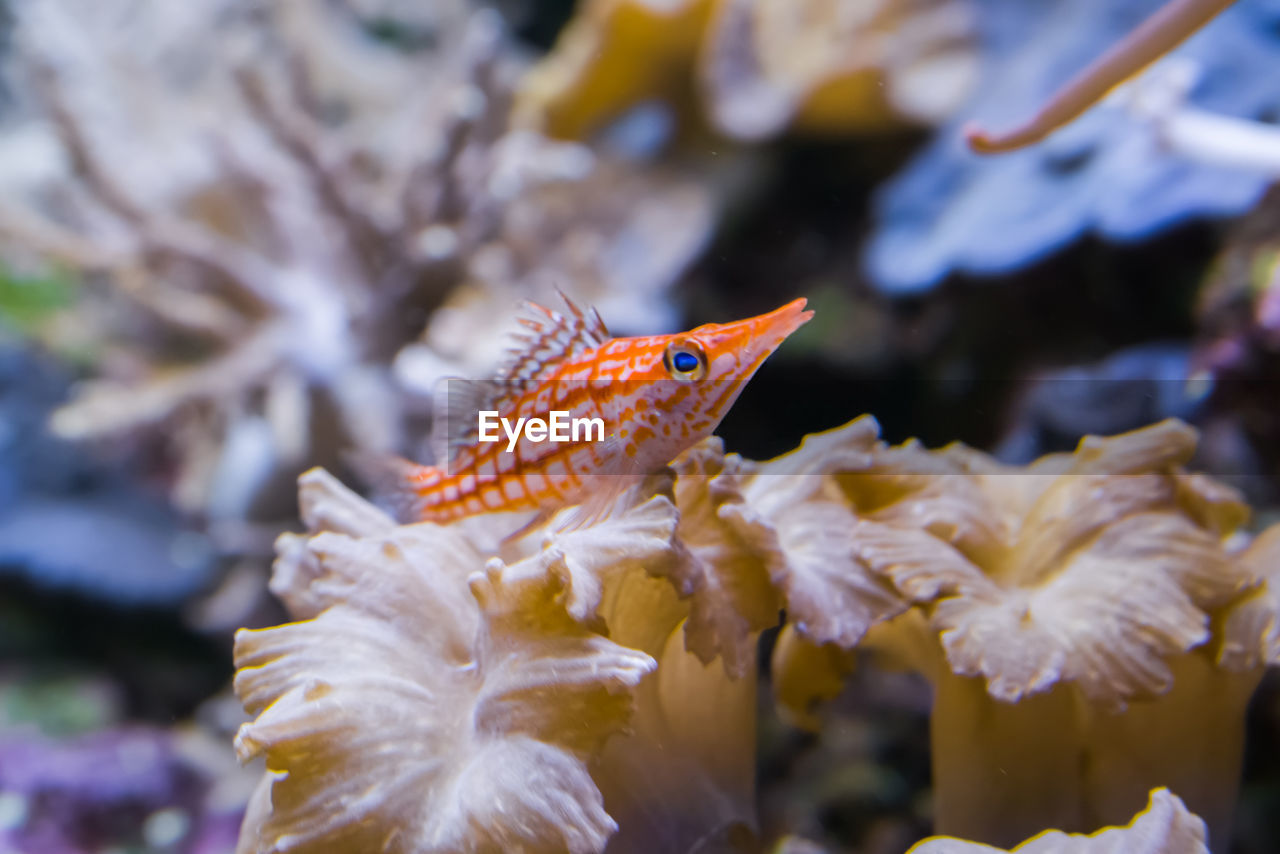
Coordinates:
656 396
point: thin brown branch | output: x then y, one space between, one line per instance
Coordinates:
56 243
299 137
432 193
303 88
244 271
477 118
483 53
108 408
1171 25
193 313
84 161
240 269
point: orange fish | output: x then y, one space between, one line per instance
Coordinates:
576 416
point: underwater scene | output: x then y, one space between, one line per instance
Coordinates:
639 426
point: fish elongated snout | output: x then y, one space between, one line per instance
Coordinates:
777 325
755 338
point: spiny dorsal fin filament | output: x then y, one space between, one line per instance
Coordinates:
547 339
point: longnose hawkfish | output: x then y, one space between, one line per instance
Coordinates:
655 396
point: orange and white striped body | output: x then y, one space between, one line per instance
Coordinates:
655 396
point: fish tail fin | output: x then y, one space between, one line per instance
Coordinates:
397 485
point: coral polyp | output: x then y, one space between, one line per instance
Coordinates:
1079 589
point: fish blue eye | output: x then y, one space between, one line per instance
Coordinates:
684 362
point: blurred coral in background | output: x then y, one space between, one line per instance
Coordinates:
757 67
1110 172
269 222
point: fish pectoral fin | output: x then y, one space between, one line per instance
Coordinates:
618 473
539 519
599 504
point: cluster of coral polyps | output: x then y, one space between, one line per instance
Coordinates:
758 67
1093 625
268 205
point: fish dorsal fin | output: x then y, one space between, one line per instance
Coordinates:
547 338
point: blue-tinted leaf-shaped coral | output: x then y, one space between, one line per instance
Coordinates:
954 211
73 523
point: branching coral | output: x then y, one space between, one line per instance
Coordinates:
282 212
762 65
621 235
1164 827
